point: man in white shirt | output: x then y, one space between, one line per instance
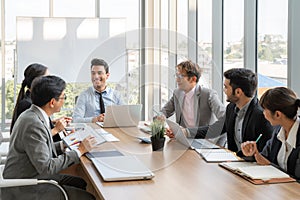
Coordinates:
91 103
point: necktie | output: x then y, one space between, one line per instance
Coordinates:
101 102
56 137
51 125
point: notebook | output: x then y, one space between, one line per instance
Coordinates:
121 168
190 143
217 155
73 140
257 174
122 115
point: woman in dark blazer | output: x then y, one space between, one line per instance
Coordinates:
280 109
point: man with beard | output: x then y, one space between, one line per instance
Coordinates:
90 105
244 119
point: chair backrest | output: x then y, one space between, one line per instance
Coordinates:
1 171
1 137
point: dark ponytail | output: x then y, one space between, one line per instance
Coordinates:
30 73
297 102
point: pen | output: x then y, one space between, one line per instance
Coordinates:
76 142
156 112
258 138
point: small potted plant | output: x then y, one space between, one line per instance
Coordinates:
158 133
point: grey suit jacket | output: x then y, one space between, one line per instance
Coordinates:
208 107
32 153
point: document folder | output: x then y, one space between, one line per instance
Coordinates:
257 174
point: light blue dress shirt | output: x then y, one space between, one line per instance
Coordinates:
88 106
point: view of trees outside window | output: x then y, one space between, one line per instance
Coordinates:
272 44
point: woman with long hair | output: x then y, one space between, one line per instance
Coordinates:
24 100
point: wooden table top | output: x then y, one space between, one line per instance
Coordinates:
180 173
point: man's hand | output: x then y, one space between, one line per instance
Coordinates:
87 144
99 118
169 133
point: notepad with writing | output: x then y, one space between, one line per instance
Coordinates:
217 155
257 174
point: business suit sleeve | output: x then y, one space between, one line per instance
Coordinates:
266 130
169 108
39 149
216 105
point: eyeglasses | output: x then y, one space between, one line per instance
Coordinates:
64 97
179 76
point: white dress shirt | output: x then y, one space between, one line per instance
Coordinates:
188 108
288 144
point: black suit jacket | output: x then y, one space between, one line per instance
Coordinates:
254 124
272 148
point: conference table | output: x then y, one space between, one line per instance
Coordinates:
180 173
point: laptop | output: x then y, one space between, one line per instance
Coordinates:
121 168
122 116
189 142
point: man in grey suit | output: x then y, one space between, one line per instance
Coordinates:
32 153
193 105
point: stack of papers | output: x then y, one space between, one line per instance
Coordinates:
106 135
217 155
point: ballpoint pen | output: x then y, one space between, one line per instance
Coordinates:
258 138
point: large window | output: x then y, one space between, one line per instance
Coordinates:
129 10
205 41
272 43
182 30
233 34
73 8
14 8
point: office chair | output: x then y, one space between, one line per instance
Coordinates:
25 182
4 144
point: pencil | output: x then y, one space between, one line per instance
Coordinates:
258 138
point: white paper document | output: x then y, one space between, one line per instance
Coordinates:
106 135
217 155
